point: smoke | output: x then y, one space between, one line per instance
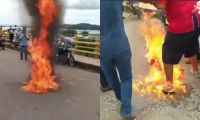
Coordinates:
31 7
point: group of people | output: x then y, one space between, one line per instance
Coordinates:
17 37
181 39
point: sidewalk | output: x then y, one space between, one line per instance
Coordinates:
87 60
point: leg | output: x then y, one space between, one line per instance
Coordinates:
103 81
25 52
194 62
172 51
104 84
3 46
192 52
21 52
169 73
111 75
123 64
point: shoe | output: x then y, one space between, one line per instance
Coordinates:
168 88
25 83
196 73
105 89
130 118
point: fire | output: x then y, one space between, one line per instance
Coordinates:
153 32
42 76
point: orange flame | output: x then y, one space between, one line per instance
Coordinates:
42 77
154 33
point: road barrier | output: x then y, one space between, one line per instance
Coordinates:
87 47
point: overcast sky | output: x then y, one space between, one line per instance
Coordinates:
76 11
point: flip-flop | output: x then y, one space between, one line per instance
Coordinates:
170 91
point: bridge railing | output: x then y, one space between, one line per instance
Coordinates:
83 46
87 47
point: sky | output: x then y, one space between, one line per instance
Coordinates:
13 12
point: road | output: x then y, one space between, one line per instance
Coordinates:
77 98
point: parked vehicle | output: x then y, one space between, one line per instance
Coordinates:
138 8
64 53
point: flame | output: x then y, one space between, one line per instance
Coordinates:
42 77
153 32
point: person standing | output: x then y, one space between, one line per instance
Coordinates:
16 37
116 54
23 43
11 35
181 37
2 40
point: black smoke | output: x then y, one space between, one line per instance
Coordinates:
31 6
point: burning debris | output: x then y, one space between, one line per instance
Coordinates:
42 74
153 33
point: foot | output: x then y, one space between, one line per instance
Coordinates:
130 118
196 73
25 83
168 88
105 89
187 62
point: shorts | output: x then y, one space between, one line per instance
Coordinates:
177 45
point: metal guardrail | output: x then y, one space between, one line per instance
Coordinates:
83 46
86 46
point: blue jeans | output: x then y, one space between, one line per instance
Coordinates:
23 52
103 80
121 85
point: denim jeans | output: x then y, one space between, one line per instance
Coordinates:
121 85
23 52
103 80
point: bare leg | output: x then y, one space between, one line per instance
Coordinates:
168 87
169 73
194 62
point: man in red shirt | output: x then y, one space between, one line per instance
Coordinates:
181 37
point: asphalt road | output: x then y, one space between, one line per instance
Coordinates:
77 98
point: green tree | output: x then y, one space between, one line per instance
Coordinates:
69 32
85 33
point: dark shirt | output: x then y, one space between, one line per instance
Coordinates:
113 36
11 36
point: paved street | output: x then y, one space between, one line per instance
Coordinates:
77 99
188 108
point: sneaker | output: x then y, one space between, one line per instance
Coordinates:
129 118
168 88
196 73
105 89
